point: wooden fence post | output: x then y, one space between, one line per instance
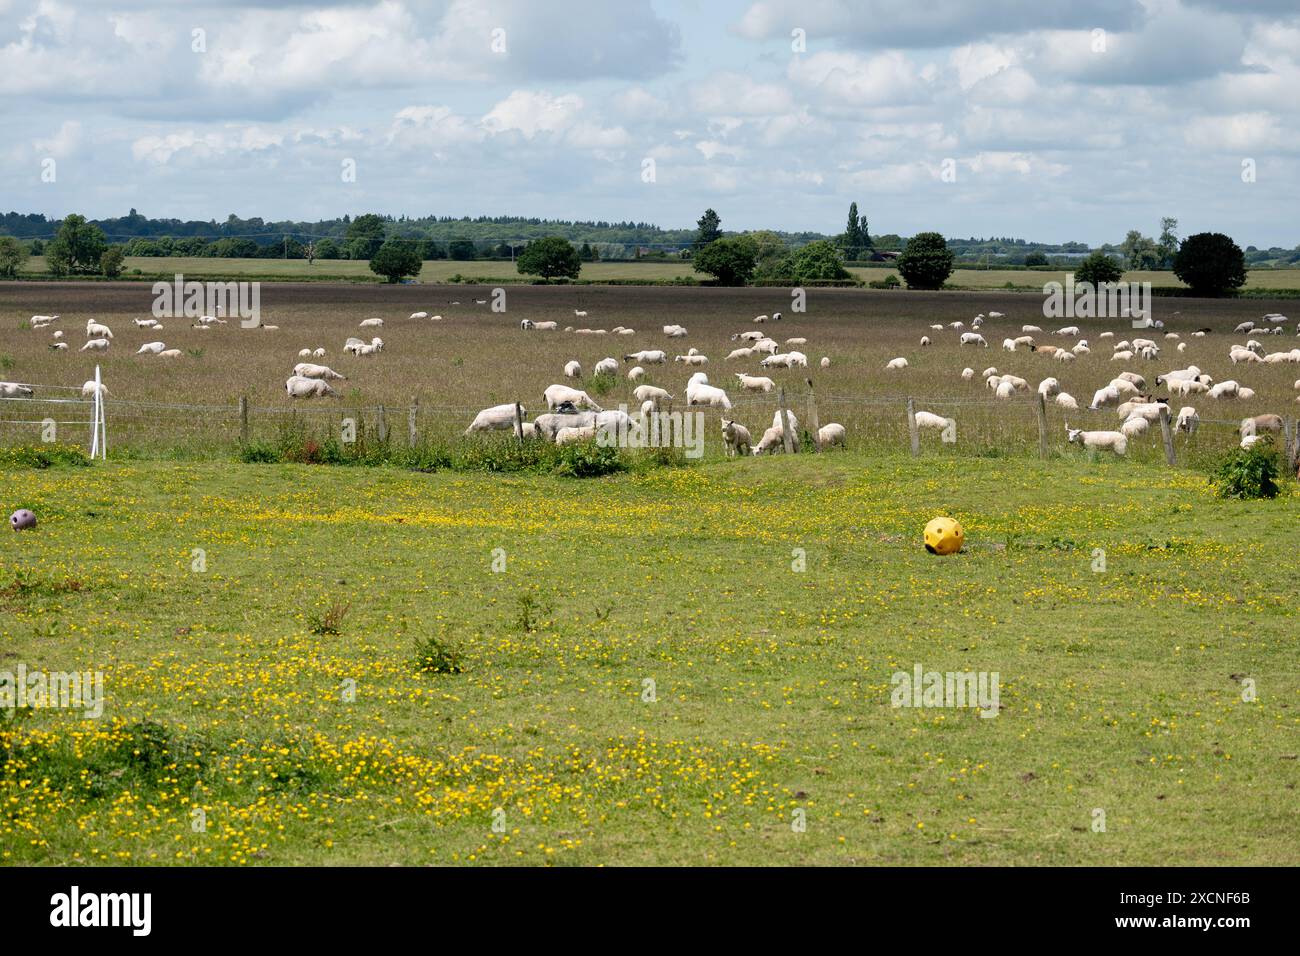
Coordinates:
1292 427
813 421
412 422
913 432
519 422
243 419
1167 434
787 432
382 429
1040 407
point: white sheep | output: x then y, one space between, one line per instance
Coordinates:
755 383
973 338
145 323
151 348
572 369
893 365
752 335
95 345
418 315
496 418
1005 390
88 390
1188 421
95 330
1070 330
1049 387
635 374
607 366
692 359
1123 356
739 354
371 324
699 378
60 346
318 353
1259 424
653 393
766 346
1009 344
1061 355
931 420
579 433
1226 389
967 374
1115 442
1134 427
170 353
1081 347
925 340
14 390
298 387
736 438
675 331
310 370
831 434
701 394
796 341
647 356
1066 401
825 362
557 395
1103 397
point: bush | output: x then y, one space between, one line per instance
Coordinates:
729 261
432 656
587 459
1249 473
42 456
819 260
13 256
1098 268
888 282
395 260
926 262
110 263
1211 264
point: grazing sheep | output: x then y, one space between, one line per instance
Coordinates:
799 340
937 328
309 370
675 331
739 354
170 353
760 318
548 426
1026 340
1103 397
96 330
1106 335
1005 390
894 365
1061 355
567 436
925 340
496 418
648 356
659 396
973 338
1183 387
371 324
773 440
1048 350
766 346
1070 330
701 394
831 434
699 378
1245 394
635 374
1115 442
1066 400
299 387
1132 377
755 383
1238 354
692 359
304 353
58 334
60 346
1124 386
1249 441
145 323
572 370
1260 423
967 374
1134 427
931 420
14 390
1081 347
580 313
95 345
151 348
556 395
1124 356
736 438
318 353
1030 328
1244 327
1188 421
1049 387
1143 409
1227 389
607 366
956 325
825 362
988 372
750 336
1009 344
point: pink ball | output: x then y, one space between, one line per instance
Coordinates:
22 519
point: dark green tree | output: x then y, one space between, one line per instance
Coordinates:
365 235
110 263
1098 268
13 255
395 260
710 229
551 258
926 262
461 249
856 239
1035 259
1211 264
76 248
729 261
819 260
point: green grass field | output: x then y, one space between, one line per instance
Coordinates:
441 270
1121 691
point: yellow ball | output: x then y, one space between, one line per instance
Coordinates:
944 536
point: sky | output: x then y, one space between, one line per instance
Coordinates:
1046 120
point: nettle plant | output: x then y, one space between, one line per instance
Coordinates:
1249 473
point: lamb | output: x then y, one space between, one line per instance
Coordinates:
1009 344
675 331
1103 397
1238 354
88 390
1227 389
1070 330
973 338
894 365
151 348
739 354
572 370
773 439
298 387
1005 390
777 361
736 438
931 420
558 394
1115 442
1245 394
957 325
1030 328
170 353
1183 387
548 426
766 346
371 324
580 313
1134 427
96 330
542 326
967 374
652 393
701 394
648 356
607 366
825 362
1260 423
318 353
1066 401
95 345
1048 350
692 359
566 436
496 418
635 374
1061 355
755 383
1123 356
1188 421
308 370
304 353
831 434
925 340
14 390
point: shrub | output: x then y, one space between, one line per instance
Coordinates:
395 260
888 282
926 262
110 263
432 656
329 622
42 456
588 459
1098 268
729 261
1211 264
1249 473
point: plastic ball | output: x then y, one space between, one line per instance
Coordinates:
944 536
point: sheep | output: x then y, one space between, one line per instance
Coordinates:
785 360
1124 386
1048 350
88 390
937 328
298 387
699 378
1245 394
548 426
374 348
607 366
755 383
701 394
304 353
1131 377
40 321
1244 327
995 315
739 354
973 338
931 420
675 331
1122 346
957 325
572 370
648 356
1103 397
418 315
496 418
1238 354
1030 328
1005 391
1063 356
736 438
558 394
1026 340
1106 335
1070 330
96 330
1134 427
659 396
1009 344
1188 421
170 353
143 323
541 326
830 434
752 335
1183 387
580 313
1148 410
893 365
95 345
58 334
567 436
773 440
151 348
318 353
371 324
1081 347
635 374
967 374
14 390
925 340
758 319
1260 423
989 371
1066 401
1124 356
766 346
60 346
825 362
1049 387
1115 442
309 370
1226 389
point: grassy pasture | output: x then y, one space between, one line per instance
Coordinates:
1121 692
475 357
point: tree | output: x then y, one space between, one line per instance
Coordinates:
1168 242
819 260
551 258
77 246
327 248
1210 263
855 240
461 249
926 261
710 229
110 263
1139 251
395 260
1098 268
365 235
729 261
13 255
1035 259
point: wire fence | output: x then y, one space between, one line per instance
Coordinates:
927 426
